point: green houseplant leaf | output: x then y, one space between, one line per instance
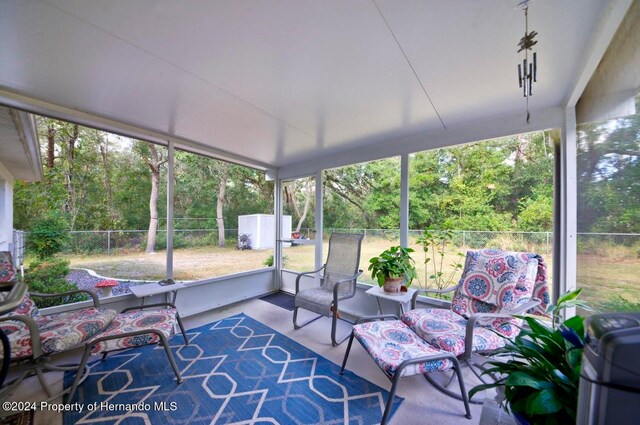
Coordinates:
393 263
541 373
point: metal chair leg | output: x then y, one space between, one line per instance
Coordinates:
81 367
184 334
392 395
295 319
346 354
43 381
463 391
165 343
334 322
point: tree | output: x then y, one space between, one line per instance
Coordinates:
608 175
296 193
222 188
154 160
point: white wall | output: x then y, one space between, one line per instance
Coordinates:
262 229
6 209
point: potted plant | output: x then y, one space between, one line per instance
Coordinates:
539 381
392 267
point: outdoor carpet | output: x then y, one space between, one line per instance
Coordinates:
281 299
235 370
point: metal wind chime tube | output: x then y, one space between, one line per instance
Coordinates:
527 71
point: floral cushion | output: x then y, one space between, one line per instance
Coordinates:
131 321
7 271
390 343
446 330
26 308
499 281
58 332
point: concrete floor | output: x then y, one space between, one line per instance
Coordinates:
423 404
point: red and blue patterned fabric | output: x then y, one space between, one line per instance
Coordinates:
161 320
494 280
7 271
58 332
446 330
390 343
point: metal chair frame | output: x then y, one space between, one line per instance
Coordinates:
333 308
469 357
89 345
416 360
39 363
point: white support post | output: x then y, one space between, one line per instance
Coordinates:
170 192
277 211
565 244
318 220
404 200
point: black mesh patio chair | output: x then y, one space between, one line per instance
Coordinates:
337 283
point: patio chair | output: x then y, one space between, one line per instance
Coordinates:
399 352
338 282
135 327
495 285
35 340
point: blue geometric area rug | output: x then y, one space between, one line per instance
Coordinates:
235 371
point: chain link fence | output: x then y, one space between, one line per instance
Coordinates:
117 241
610 245
539 242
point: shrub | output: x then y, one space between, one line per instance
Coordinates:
48 277
48 235
269 261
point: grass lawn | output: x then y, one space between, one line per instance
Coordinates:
601 277
605 278
188 263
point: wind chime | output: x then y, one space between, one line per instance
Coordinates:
527 70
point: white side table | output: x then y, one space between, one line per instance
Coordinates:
403 299
150 289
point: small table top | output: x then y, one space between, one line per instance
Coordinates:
402 297
149 289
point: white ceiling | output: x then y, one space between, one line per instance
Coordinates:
276 82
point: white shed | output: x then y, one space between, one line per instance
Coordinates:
261 229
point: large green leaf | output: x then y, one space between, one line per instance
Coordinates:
543 403
523 379
568 296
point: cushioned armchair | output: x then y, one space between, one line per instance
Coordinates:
338 282
495 285
35 339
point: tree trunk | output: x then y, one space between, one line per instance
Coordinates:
303 216
154 163
71 204
104 152
220 203
51 145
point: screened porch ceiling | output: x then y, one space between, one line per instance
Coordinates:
296 85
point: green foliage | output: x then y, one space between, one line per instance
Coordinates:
535 214
395 262
435 245
48 235
608 173
541 376
48 277
269 261
618 303
99 181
